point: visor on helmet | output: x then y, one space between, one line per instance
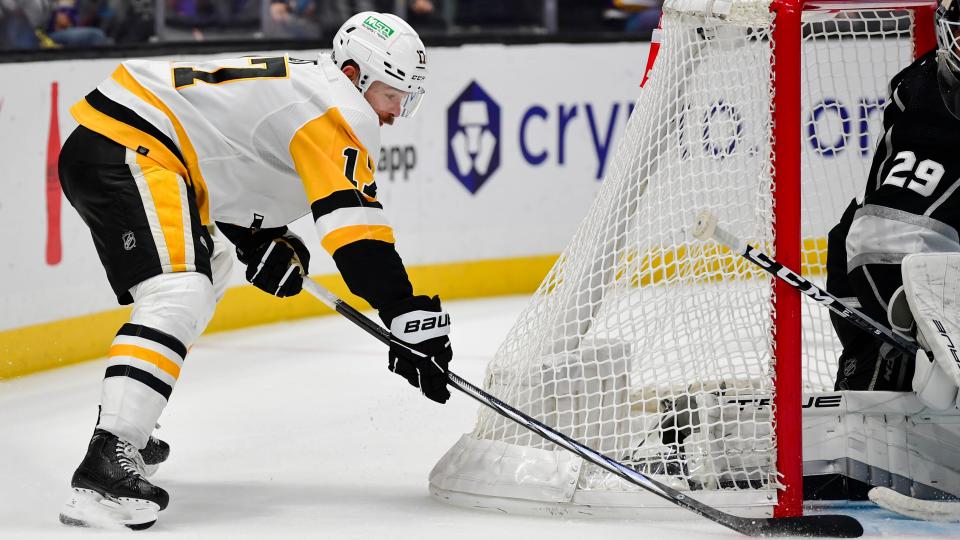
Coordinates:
411 103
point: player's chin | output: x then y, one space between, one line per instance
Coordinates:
388 120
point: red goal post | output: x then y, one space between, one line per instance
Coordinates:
787 179
787 128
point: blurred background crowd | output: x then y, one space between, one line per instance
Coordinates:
49 24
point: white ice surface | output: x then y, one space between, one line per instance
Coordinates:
297 430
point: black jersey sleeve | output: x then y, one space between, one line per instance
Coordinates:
894 107
374 271
902 88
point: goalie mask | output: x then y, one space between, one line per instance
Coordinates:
386 49
948 54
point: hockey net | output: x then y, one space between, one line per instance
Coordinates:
667 353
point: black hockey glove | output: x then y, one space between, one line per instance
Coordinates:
420 322
276 259
278 265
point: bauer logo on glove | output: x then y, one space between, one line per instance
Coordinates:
419 326
420 322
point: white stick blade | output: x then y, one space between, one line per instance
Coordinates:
946 511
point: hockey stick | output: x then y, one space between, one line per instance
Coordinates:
707 227
945 511
836 526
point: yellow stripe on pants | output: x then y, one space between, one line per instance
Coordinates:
170 206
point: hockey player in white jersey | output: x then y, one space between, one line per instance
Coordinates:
171 157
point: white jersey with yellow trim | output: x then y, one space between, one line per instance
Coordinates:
261 140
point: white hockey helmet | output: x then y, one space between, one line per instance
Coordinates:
386 49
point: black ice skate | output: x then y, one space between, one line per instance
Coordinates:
155 453
109 489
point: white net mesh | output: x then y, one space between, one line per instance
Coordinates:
653 347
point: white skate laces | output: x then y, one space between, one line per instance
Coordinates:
129 458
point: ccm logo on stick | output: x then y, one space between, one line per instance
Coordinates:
428 323
798 281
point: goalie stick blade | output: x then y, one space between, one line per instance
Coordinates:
819 526
944 511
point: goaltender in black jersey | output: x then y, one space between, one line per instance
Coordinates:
896 255
172 159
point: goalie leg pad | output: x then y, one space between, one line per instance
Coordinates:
932 285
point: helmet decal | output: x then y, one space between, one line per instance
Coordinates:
379 27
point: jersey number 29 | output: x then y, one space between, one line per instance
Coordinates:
921 177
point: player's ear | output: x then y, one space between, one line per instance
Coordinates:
351 71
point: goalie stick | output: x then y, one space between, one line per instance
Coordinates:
945 511
706 228
835 526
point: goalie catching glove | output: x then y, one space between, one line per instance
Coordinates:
277 260
422 324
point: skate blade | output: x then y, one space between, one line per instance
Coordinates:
87 508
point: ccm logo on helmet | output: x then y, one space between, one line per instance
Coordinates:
428 323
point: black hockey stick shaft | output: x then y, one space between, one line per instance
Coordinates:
836 526
707 227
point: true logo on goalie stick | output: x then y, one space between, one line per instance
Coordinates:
473 137
826 401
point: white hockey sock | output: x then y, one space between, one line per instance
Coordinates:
170 312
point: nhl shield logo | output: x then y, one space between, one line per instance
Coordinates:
129 240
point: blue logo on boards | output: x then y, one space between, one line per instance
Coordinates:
473 137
